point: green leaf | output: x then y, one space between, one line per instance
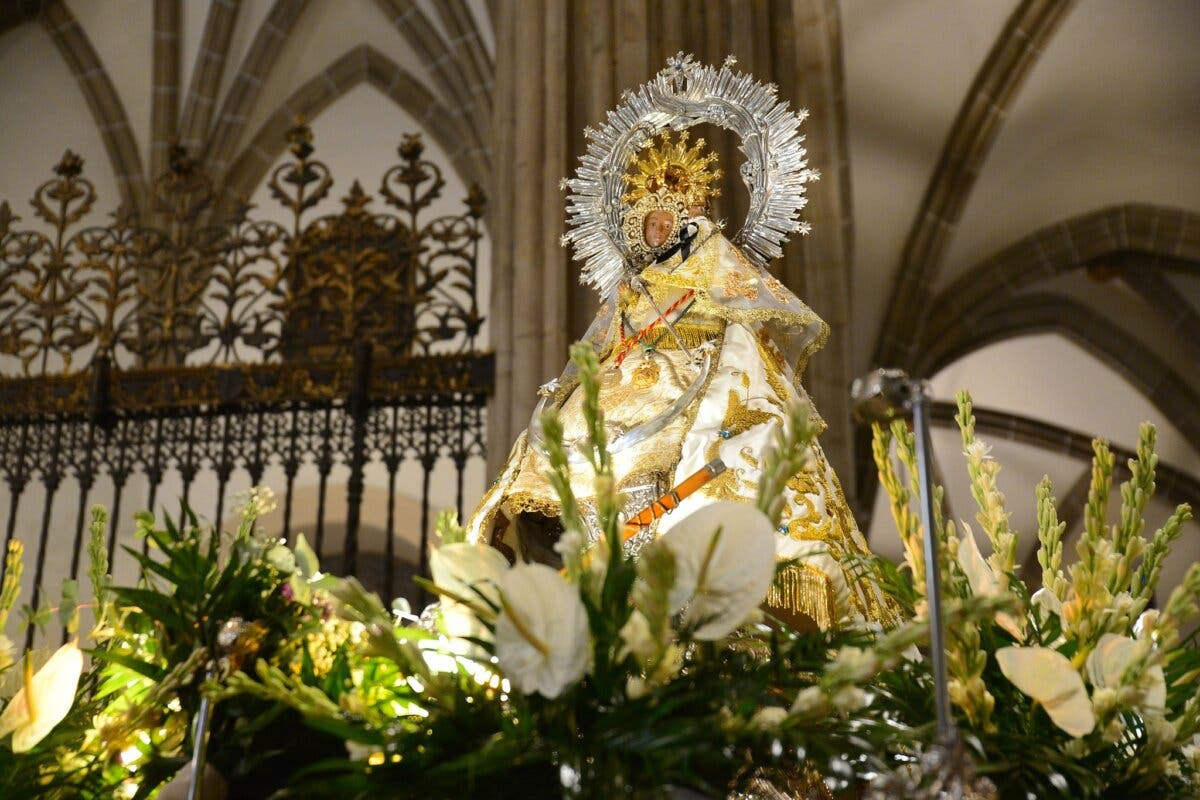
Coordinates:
68 609
159 607
36 617
149 564
154 673
306 558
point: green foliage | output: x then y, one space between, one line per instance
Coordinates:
1135 747
321 690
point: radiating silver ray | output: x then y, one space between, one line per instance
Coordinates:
683 94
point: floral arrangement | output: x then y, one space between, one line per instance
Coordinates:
655 676
1079 689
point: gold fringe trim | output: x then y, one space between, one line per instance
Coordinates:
804 589
692 336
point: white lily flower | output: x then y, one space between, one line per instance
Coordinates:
724 565
1047 676
543 642
44 700
1106 665
983 580
471 572
979 450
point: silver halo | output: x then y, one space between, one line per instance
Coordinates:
684 94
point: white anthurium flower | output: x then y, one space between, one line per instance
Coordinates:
1107 663
1047 676
543 642
724 565
816 554
467 571
983 580
44 700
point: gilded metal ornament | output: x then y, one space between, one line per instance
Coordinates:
683 94
212 340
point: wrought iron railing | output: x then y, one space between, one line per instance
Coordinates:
205 342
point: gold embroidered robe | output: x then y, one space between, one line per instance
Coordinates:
761 336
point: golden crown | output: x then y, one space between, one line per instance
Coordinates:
667 166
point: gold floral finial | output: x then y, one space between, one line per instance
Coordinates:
667 166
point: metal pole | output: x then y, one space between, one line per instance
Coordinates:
879 397
199 751
918 403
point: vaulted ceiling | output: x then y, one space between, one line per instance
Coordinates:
1020 178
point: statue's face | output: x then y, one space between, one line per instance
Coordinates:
657 227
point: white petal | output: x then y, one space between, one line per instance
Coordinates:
979 574
53 690
468 569
1048 677
16 714
1145 622
1047 601
1009 623
1155 683
542 638
738 574
1108 662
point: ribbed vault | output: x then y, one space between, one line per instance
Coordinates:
362 64
979 119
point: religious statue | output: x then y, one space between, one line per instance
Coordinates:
701 349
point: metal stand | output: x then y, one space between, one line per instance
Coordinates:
948 770
199 750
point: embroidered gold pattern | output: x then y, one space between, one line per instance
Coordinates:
739 284
784 332
776 288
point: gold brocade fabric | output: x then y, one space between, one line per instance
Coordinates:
762 335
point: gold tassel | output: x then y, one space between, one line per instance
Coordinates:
803 589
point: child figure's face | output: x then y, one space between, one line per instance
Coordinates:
657 227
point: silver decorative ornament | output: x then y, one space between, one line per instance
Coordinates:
682 95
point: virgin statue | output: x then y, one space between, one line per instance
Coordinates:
701 349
